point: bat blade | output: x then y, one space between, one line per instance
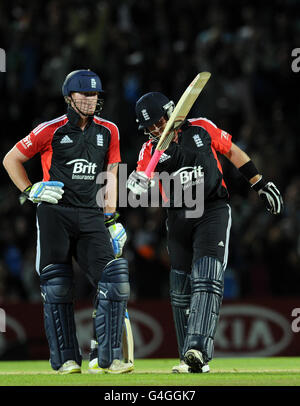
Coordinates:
127 340
177 117
183 107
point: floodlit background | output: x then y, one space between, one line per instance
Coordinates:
138 46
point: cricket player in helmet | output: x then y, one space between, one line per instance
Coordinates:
71 223
198 247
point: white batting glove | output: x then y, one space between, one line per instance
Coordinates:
138 182
269 193
118 238
50 192
117 232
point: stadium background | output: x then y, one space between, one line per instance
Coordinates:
137 46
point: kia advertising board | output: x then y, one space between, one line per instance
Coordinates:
246 329
252 331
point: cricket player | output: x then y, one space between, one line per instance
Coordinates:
198 247
71 222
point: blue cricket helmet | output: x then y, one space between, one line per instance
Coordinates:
151 107
83 80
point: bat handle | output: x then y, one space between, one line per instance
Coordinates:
153 162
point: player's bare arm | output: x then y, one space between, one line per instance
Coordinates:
239 158
267 191
49 192
13 163
111 193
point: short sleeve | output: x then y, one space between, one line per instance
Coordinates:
221 140
144 156
36 141
113 153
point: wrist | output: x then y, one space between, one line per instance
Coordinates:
25 194
259 184
27 189
110 218
249 172
255 179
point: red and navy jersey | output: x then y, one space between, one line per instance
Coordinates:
74 156
196 150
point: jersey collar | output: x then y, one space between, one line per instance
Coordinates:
74 117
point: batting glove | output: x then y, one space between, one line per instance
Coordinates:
138 182
50 192
269 193
117 233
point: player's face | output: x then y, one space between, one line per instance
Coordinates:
84 102
157 129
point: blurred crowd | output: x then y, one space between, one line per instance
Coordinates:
138 46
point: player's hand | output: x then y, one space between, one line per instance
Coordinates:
138 182
50 192
269 193
117 233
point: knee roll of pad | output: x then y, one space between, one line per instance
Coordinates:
208 276
180 288
180 293
114 282
113 294
57 284
207 283
57 293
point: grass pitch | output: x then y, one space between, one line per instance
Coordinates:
275 371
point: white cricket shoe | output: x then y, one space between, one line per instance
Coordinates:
194 359
116 367
69 367
183 368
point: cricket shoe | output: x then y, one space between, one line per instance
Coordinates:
183 368
69 367
116 367
194 359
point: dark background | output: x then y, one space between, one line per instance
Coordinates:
138 46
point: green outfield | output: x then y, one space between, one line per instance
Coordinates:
157 372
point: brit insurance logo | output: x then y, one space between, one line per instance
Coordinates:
26 142
83 169
190 175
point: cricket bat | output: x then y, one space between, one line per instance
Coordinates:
177 117
127 340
